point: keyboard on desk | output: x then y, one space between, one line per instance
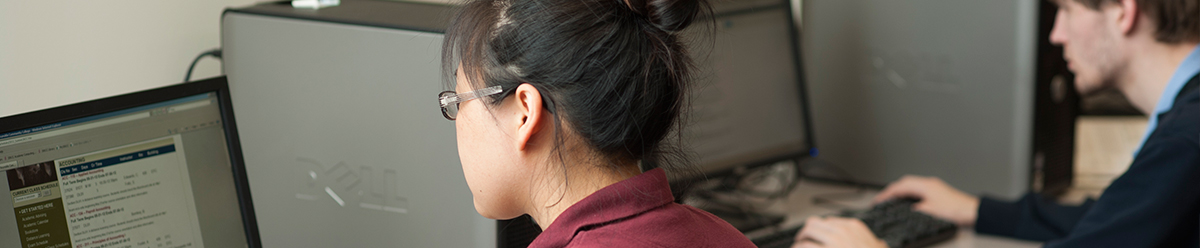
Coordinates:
894 222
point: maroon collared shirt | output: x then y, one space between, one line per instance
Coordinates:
638 212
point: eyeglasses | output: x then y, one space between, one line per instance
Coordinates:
449 100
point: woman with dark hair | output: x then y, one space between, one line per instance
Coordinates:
558 106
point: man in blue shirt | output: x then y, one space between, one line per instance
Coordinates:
1148 50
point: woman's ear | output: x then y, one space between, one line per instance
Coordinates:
532 115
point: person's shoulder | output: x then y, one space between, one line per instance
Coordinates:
672 225
610 238
1181 121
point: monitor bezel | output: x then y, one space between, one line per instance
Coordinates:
218 85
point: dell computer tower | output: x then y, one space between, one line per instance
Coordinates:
961 90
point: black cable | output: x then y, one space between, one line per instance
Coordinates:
215 52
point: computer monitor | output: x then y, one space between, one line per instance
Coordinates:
748 106
158 168
343 140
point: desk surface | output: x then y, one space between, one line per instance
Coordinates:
799 206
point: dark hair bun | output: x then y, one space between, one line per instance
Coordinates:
666 15
616 72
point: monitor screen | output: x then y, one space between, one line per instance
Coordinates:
747 107
145 175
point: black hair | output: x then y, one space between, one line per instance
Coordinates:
617 72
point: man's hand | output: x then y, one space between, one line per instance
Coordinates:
937 198
831 232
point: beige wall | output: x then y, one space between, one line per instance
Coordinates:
55 52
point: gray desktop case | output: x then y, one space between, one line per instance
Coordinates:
941 88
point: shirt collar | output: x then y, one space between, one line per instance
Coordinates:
1188 69
618 201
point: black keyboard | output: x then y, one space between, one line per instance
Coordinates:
895 222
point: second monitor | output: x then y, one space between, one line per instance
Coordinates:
748 106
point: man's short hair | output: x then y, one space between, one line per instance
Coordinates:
1177 20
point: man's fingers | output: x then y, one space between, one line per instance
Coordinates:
831 227
927 208
815 229
894 189
908 186
856 223
844 226
806 244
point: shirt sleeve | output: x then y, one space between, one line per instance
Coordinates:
1033 217
1154 203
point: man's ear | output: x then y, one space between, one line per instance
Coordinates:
532 115
1127 17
